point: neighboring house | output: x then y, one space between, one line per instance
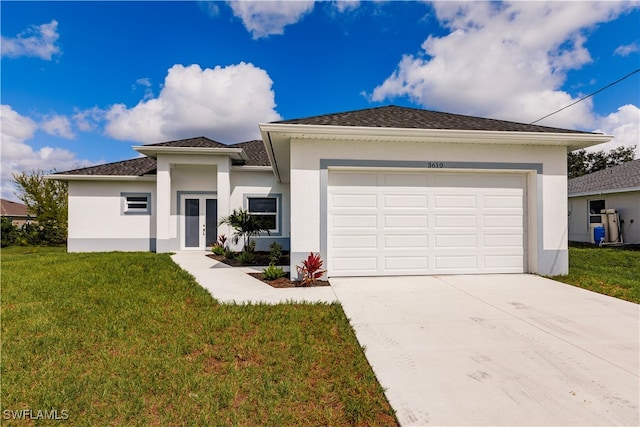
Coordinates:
380 191
616 188
16 212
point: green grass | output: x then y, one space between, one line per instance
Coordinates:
131 339
609 271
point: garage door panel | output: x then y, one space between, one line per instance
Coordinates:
406 241
455 221
352 241
426 223
456 262
503 240
364 266
444 241
455 201
406 201
502 221
417 264
406 221
404 180
503 201
355 221
504 261
354 200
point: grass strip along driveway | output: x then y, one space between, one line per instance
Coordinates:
610 271
131 339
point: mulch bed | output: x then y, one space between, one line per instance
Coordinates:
263 259
285 282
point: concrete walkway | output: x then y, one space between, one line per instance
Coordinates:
233 285
497 350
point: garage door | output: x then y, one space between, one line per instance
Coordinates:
412 223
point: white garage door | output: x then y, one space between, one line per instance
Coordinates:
411 223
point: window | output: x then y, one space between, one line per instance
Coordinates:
136 203
595 206
267 209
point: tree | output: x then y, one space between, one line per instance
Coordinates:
245 226
581 163
46 200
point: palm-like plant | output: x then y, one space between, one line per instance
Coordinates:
245 225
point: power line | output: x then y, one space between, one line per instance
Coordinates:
588 96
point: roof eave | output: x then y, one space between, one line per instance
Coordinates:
603 192
568 139
74 177
151 151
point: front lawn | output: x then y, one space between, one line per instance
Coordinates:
609 271
131 339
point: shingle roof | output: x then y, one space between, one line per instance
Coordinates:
257 156
624 176
198 142
9 208
134 167
255 152
393 116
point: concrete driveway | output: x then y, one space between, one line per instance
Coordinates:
500 350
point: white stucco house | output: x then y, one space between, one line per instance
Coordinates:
379 191
616 188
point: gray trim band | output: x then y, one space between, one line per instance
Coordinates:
424 164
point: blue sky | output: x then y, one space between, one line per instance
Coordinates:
82 82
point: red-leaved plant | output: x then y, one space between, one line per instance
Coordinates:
310 271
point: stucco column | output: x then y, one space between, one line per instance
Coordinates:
224 193
163 205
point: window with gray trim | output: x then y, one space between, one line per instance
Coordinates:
136 203
267 209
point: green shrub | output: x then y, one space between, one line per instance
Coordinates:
272 272
228 253
275 253
9 232
246 258
218 250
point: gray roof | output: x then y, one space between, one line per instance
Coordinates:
198 142
257 156
393 116
134 167
255 152
624 176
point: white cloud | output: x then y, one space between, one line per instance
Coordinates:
57 125
223 103
265 18
89 119
37 40
624 125
503 60
628 49
19 156
346 5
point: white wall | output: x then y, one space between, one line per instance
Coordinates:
187 173
261 183
548 231
627 205
96 221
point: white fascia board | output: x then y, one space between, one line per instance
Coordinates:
572 140
252 168
154 151
73 177
603 192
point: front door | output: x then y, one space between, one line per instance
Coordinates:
198 222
